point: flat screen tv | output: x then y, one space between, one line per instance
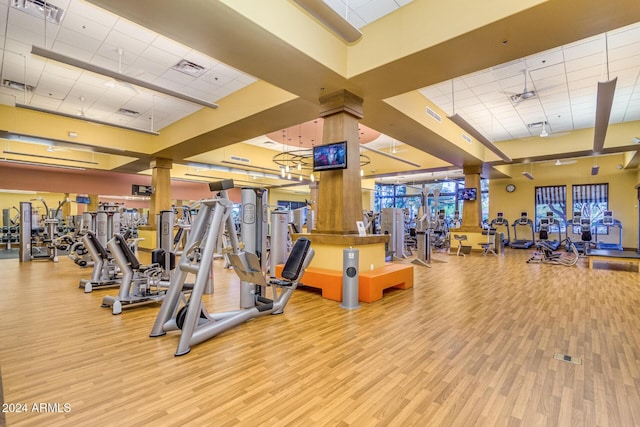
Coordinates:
330 156
466 194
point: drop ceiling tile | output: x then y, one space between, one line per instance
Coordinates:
375 9
176 77
134 31
162 58
545 59
491 87
45 102
475 79
549 72
626 51
92 13
78 40
594 64
57 69
3 20
582 83
127 43
621 37
591 46
509 69
170 46
89 28
72 51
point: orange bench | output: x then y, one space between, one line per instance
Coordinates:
371 284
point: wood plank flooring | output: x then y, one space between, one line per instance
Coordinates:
472 344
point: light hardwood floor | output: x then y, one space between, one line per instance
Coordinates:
472 344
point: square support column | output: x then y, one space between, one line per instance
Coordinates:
340 193
161 183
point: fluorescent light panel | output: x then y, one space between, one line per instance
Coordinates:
606 91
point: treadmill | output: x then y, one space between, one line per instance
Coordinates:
609 222
523 221
500 220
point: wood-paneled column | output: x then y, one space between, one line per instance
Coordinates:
339 195
472 212
161 183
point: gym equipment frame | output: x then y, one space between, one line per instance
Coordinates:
193 321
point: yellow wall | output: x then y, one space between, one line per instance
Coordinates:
10 199
622 194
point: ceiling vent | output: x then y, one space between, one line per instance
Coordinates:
239 159
128 113
189 68
17 85
437 117
40 9
537 125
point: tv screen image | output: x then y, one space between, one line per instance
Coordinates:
330 156
466 194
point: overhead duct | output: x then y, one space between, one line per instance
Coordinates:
331 19
465 126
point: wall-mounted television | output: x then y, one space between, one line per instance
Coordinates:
466 194
141 190
330 156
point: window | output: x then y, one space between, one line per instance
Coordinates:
551 199
591 200
410 197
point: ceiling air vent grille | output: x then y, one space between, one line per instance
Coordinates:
466 138
239 159
127 112
16 85
437 117
41 9
189 68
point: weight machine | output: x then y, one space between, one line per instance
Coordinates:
423 239
29 236
192 320
393 224
139 284
105 273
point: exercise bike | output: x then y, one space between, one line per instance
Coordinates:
545 254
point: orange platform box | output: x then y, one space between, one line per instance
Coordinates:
371 284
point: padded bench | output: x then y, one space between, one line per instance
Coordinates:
615 256
371 284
